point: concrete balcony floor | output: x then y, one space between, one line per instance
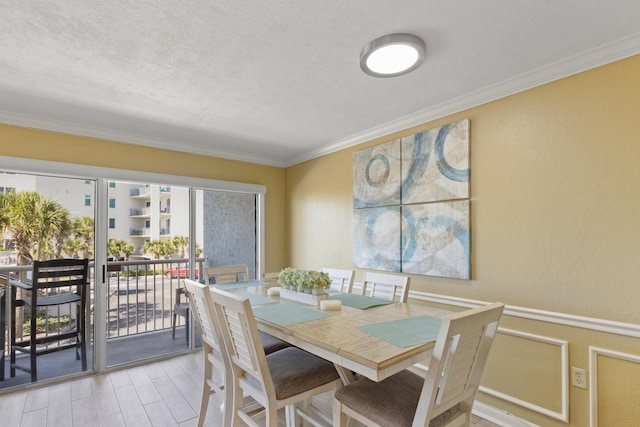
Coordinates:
120 351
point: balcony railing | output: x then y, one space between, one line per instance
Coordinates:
140 212
140 295
141 232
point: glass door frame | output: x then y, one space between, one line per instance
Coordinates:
102 176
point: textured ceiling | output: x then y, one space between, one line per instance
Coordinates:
277 82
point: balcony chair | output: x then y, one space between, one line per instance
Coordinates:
180 308
341 280
280 380
385 286
201 304
445 397
60 285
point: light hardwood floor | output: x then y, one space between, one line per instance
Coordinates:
165 393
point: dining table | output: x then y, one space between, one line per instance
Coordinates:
367 336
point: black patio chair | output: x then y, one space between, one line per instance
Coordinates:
59 286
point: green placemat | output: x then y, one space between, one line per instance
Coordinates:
256 299
360 301
285 314
235 285
406 332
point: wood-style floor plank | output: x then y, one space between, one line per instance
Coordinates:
59 411
161 394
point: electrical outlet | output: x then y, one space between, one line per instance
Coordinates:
578 377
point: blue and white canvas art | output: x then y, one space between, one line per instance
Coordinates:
411 204
376 176
436 239
376 238
435 164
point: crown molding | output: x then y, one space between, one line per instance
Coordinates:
40 123
605 54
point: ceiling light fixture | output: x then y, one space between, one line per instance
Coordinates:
392 55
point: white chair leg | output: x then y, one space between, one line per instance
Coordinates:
291 415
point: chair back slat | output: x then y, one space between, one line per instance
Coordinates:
458 359
226 274
201 305
59 273
341 280
240 334
386 286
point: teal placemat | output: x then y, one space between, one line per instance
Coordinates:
235 285
360 301
406 332
256 299
285 314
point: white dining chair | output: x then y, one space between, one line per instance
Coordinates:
212 275
385 286
226 274
202 307
281 380
341 280
239 273
445 397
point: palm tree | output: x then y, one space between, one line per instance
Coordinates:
127 250
53 218
181 243
153 247
58 240
29 218
119 247
83 229
72 247
159 248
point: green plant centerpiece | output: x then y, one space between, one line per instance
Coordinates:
307 281
318 281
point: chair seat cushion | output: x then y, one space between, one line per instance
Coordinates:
271 344
389 403
295 371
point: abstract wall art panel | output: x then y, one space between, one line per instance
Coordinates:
376 238
376 176
435 239
435 164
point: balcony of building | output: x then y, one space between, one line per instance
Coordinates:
140 212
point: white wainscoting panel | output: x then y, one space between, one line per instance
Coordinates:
594 352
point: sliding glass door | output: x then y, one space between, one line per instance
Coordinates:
144 234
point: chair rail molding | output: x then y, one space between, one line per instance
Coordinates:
590 323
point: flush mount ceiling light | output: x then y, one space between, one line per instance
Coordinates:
392 55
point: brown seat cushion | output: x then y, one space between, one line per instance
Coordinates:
271 343
389 403
294 371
